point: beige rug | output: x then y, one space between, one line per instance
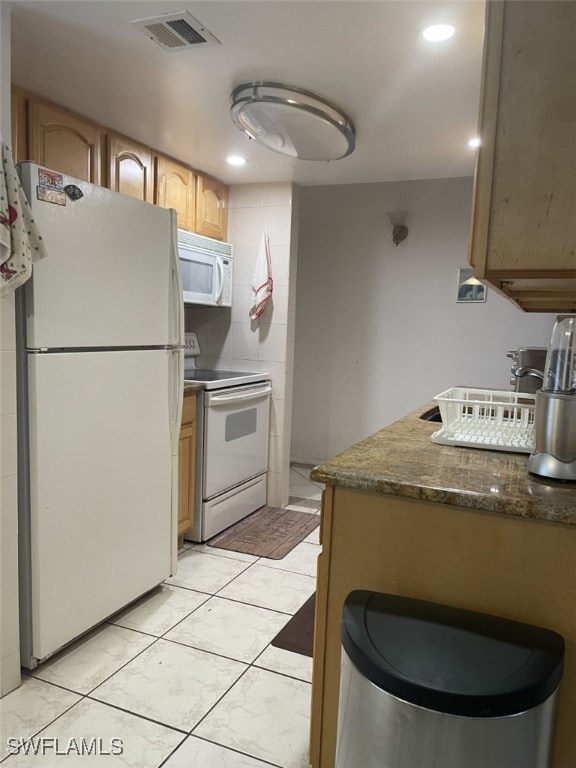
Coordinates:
297 501
269 532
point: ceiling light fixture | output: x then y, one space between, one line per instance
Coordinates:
475 142
438 32
236 160
292 121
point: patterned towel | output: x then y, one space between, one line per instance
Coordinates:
20 242
262 284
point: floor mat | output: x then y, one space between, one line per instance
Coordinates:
298 501
269 532
298 635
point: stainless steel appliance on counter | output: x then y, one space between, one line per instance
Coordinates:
555 419
232 427
99 346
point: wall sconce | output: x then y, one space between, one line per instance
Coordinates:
399 228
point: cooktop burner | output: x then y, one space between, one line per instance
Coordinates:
213 379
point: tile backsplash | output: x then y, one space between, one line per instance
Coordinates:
227 336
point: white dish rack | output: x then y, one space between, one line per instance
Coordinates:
486 418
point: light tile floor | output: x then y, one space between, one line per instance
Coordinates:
184 678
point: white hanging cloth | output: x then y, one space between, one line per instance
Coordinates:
20 242
262 283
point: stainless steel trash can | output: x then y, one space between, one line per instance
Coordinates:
429 686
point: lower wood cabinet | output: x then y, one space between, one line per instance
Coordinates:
186 464
509 566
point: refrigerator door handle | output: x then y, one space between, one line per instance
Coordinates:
176 389
176 297
176 394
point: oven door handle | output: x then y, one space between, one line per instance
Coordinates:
240 397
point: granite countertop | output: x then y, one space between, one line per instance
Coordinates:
401 460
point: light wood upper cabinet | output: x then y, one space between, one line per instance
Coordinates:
63 141
19 110
130 168
211 207
524 220
186 466
176 188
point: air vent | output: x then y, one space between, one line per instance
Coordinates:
176 31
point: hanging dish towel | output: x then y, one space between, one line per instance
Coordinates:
20 242
262 284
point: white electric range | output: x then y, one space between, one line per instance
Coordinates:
232 428
214 379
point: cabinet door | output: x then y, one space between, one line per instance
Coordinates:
186 453
533 210
186 466
63 141
524 221
130 168
175 188
211 207
19 108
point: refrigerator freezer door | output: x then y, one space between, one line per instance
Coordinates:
100 487
108 278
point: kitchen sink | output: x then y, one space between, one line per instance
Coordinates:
432 415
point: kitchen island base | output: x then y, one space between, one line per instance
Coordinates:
511 566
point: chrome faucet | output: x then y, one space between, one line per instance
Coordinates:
525 370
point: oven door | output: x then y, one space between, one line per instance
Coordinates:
236 424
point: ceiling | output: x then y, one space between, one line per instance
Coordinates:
414 103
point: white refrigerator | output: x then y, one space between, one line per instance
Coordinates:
100 354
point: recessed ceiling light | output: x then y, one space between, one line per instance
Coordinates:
236 160
438 32
475 142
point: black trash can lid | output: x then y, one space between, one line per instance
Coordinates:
449 659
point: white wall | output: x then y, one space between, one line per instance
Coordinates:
9 637
229 339
378 329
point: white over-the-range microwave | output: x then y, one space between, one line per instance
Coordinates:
206 267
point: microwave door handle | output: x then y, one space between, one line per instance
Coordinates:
220 278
